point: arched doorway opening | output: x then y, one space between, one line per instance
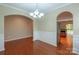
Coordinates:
18 33
65 31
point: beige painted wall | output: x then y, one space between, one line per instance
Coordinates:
17 27
4 11
46 27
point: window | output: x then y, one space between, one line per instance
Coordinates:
69 28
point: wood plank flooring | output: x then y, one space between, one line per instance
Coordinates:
27 47
42 48
19 47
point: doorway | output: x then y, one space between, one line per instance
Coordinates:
18 34
65 31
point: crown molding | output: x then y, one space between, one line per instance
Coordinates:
15 8
12 7
63 5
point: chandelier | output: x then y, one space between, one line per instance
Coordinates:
36 13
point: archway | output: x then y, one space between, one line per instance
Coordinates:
18 29
65 31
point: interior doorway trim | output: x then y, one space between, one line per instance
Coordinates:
66 17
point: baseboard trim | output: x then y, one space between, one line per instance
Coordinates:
46 43
19 38
2 50
49 37
75 51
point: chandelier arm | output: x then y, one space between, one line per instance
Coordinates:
36 13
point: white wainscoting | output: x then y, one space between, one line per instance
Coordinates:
48 37
35 35
76 44
1 42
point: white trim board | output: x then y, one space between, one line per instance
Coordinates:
36 35
64 20
6 5
18 38
18 9
75 51
2 49
76 44
1 42
63 5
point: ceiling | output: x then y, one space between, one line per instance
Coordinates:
42 7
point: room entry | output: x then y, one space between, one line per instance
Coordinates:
65 31
18 33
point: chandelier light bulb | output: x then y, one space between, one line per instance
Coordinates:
31 14
36 14
41 14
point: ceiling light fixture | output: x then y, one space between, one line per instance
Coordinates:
36 13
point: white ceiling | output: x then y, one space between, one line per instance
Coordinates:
42 7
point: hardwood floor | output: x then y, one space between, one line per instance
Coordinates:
28 47
65 43
42 48
19 47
